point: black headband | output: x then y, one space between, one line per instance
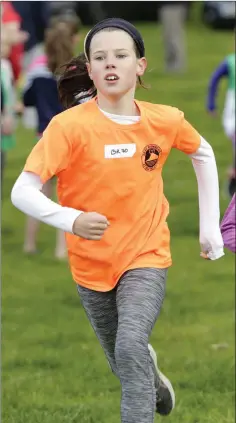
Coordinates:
119 24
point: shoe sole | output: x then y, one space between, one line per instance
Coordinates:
160 375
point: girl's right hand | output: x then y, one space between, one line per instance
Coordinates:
90 226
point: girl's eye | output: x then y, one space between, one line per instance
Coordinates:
121 56
99 58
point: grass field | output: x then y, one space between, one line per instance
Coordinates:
53 369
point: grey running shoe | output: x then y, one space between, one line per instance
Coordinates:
165 401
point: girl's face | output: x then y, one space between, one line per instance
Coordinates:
113 64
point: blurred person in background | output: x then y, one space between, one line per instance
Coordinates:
108 155
89 10
173 15
10 36
228 226
7 100
12 20
61 8
40 92
35 17
225 70
34 20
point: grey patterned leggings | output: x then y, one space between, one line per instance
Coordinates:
123 320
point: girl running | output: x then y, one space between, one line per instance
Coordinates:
40 92
108 155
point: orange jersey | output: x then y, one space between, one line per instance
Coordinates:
115 170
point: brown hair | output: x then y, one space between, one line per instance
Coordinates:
75 84
58 40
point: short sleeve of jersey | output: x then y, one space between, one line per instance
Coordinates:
51 154
187 140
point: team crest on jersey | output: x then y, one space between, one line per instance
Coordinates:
150 156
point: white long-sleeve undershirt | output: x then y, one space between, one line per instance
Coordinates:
26 195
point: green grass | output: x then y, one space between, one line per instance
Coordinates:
53 369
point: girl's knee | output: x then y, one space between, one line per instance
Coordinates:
130 351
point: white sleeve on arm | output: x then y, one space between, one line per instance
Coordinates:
26 195
204 164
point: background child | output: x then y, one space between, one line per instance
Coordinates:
10 35
228 226
226 69
40 92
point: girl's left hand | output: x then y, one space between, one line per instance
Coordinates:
204 255
212 244
213 255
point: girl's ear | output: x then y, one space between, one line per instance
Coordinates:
141 66
89 70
